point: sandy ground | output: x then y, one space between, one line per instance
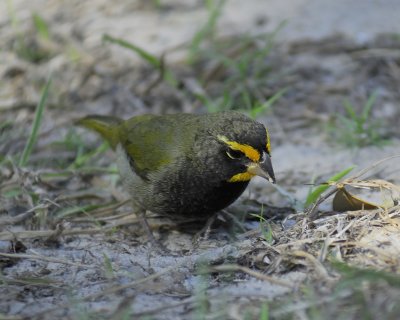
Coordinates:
327 51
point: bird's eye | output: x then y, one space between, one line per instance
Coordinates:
234 154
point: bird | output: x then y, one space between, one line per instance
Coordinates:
186 166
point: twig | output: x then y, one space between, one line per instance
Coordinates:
318 265
21 217
312 212
364 171
186 301
43 258
30 234
258 275
160 77
298 242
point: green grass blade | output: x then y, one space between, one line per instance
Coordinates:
264 314
314 194
82 159
108 267
157 63
41 26
76 210
255 112
215 10
350 110
150 58
269 41
350 125
36 125
368 106
5 125
13 16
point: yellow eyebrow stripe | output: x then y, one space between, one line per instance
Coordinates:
249 151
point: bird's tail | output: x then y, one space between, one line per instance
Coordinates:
106 126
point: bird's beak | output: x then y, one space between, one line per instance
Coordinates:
263 168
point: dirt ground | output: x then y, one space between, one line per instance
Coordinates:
70 245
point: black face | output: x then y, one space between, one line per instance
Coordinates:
237 160
235 154
243 146
228 144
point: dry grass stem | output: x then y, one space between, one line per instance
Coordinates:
250 272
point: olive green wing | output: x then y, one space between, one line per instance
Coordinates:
152 142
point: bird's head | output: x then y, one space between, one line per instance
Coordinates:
244 148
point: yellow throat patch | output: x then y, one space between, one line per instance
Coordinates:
241 177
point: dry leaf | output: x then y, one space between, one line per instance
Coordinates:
365 195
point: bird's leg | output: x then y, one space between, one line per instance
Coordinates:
155 244
234 219
146 226
204 232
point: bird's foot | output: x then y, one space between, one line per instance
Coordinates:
155 245
204 232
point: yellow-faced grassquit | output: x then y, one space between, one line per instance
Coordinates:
186 165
